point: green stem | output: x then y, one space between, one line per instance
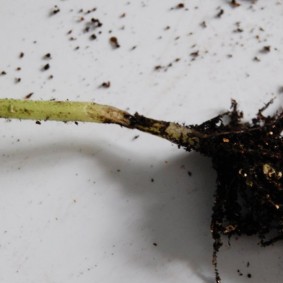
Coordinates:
92 112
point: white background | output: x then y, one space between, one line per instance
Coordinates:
86 203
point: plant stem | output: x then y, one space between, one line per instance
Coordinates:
92 112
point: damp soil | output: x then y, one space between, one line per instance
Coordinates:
248 159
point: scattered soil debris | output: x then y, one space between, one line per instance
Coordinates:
50 77
21 55
92 25
17 80
135 137
105 84
47 56
95 23
55 10
238 30
81 19
249 275
158 67
239 272
194 54
18 69
38 123
45 67
123 15
190 173
265 49
93 37
155 244
113 40
165 68
90 11
152 180
3 73
203 24
256 59
28 96
178 6
220 13
234 4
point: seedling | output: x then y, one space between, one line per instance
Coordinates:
248 158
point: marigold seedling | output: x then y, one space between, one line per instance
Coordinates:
248 158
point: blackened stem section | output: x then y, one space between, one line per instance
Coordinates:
183 136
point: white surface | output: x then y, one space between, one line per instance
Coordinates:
77 202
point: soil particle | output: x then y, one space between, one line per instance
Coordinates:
179 6
47 56
265 49
45 67
105 84
239 272
55 10
220 13
113 40
194 54
235 4
28 96
203 24
166 67
93 37
96 23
